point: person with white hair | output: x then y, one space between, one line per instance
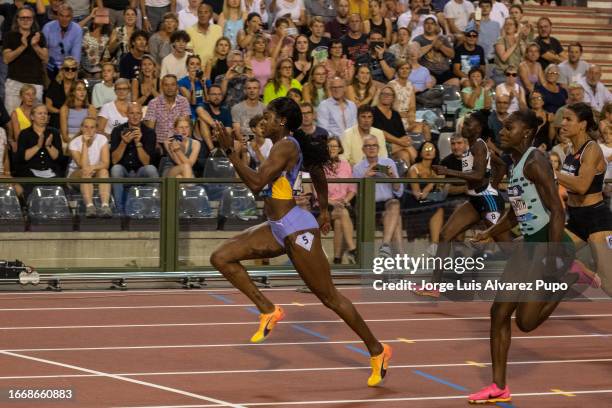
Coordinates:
595 92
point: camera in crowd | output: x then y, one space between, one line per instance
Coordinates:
374 44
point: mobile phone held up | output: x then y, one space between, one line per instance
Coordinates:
374 44
178 138
379 168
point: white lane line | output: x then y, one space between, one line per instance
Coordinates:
447 397
217 402
419 319
292 370
38 309
302 343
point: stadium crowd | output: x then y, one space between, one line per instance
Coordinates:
128 88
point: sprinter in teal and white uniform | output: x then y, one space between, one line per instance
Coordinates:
545 254
484 204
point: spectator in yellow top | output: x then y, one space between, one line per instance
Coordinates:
361 7
204 35
282 82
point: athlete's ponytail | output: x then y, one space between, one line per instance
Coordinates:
314 150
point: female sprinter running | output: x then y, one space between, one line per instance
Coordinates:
546 252
485 201
582 175
289 230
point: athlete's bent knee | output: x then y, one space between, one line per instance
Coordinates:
330 300
525 324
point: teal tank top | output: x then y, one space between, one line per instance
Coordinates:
525 200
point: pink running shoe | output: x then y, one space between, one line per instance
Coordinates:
586 275
490 394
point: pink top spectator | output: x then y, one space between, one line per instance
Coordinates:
337 191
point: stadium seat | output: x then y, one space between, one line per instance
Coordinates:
142 208
237 209
11 217
195 211
48 209
444 146
75 200
217 167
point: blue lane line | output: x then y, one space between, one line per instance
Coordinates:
504 405
358 350
253 310
439 380
311 332
222 298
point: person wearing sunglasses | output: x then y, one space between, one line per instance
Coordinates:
513 89
59 89
25 49
468 55
554 95
488 29
64 38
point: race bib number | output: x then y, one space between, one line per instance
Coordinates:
519 206
467 162
305 240
493 217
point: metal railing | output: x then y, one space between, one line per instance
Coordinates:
169 266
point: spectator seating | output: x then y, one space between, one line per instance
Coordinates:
195 210
11 217
48 209
592 27
217 167
142 208
238 209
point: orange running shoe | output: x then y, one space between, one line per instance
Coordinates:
380 364
267 321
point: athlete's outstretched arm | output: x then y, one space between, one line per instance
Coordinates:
580 183
280 155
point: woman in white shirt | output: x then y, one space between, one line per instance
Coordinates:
512 89
293 7
90 154
255 6
115 113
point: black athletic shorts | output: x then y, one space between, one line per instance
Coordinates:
489 205
584 221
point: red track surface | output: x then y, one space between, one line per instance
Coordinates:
190 349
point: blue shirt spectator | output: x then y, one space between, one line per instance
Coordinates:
185 82
384 191
331 115
64 38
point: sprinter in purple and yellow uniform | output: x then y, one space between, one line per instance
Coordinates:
289 230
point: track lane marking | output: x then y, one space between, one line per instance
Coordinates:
217 402
255 311
313 369
301 343
373 400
